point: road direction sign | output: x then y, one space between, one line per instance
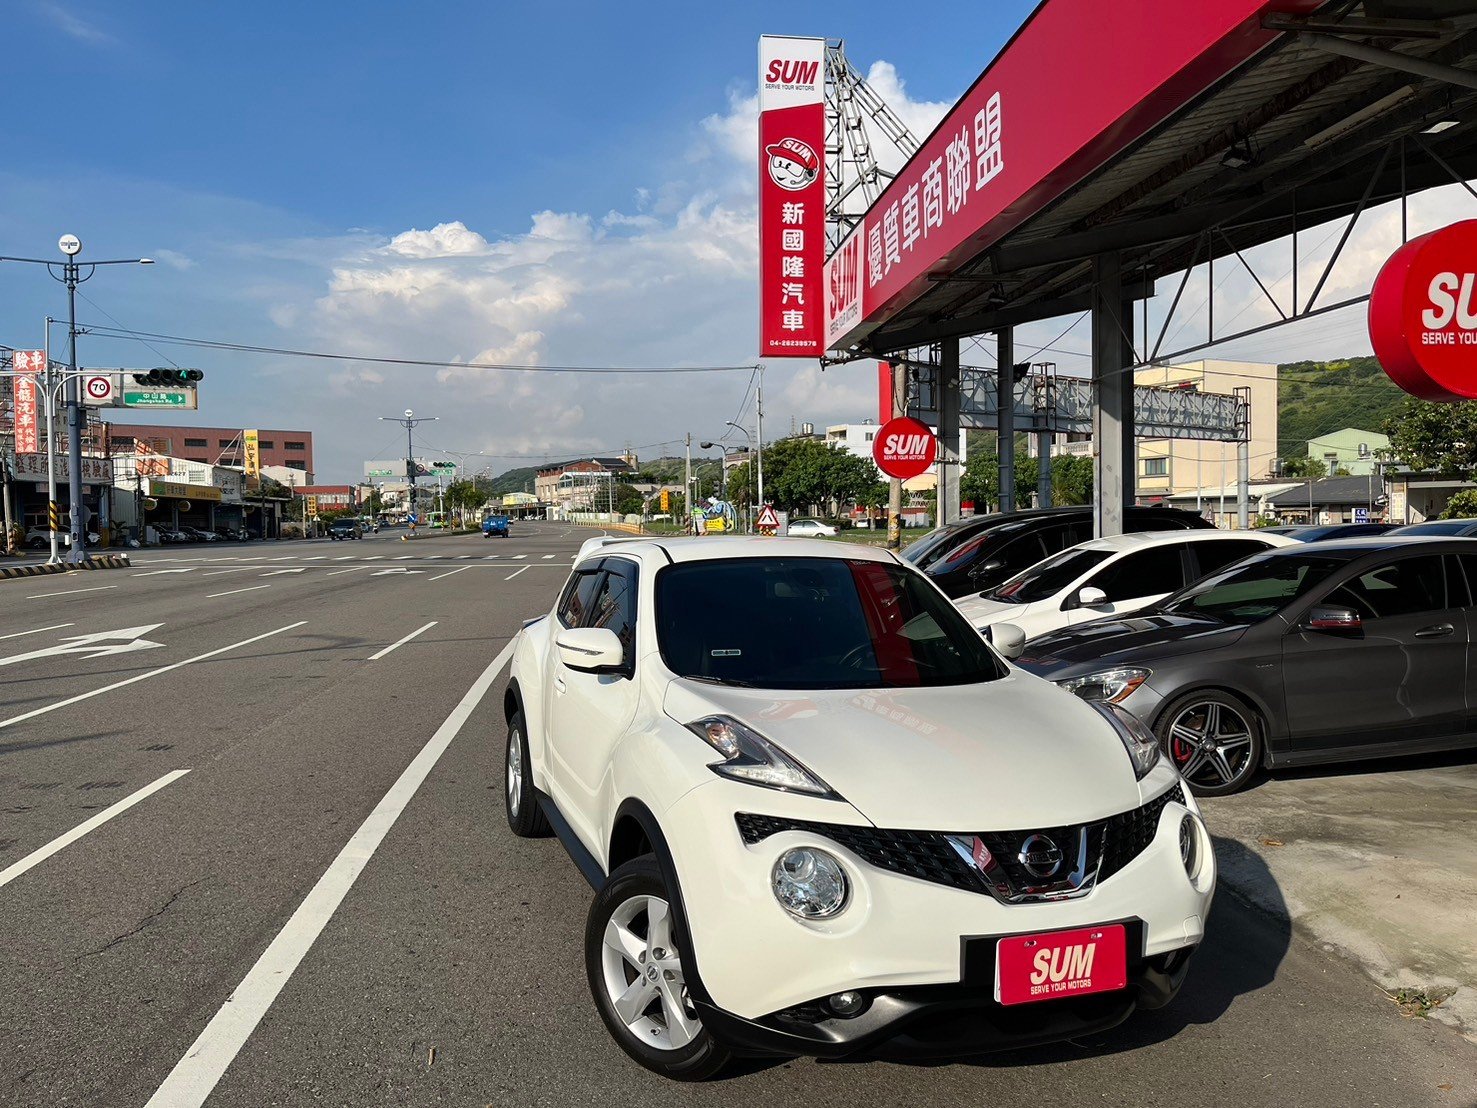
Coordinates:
119 390
1361 515
163 396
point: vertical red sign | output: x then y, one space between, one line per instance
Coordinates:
27 423
792 196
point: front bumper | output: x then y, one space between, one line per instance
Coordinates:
948 1021
903 940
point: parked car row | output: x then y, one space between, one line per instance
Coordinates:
186 533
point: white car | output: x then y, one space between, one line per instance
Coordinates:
810 529
822 816
1109 576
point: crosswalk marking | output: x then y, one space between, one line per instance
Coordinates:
547 557
517 557
490 557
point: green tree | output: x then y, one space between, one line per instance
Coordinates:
981 481
1435 438
1462 505
1303 467
1071 479
628 500
800 473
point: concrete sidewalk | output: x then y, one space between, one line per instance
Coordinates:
1377 862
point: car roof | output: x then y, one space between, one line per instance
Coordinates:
1352 548
1142 540
708 548
1025 515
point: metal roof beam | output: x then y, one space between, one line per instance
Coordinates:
1367 28
1389 59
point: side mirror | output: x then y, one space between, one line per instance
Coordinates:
1090 597
1008 639
985 568
1334 621
590 649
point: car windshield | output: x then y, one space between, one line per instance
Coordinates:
935 544
1048 577
1252 590
814 623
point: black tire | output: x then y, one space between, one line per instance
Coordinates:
1233 755
697 1060
525 818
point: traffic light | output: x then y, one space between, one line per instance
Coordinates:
158 378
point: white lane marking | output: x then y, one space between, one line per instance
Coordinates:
547 557
448 573
233 569
286 558
233 592
490 557
402 642
351 569
69 592
464 556
34 712
197 1073
516 572
518 557
36 857
344 558
156 572
374 557
279 572
314 557
405 558
395 569
37 631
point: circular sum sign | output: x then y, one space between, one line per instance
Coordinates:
1423 314
904 448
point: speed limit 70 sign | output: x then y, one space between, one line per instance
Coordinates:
98 388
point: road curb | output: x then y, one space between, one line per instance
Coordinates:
101 561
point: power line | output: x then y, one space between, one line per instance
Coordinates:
251 348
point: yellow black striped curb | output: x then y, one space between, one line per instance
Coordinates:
101 561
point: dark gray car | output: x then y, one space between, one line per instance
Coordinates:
1332 651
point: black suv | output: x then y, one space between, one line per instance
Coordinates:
979 552
344 529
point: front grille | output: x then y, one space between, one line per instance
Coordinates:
1110 844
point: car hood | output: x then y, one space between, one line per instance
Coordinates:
1011 754
1105 643
981 611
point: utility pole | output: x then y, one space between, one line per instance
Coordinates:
758 436
53 509
408 421
687 483
895 485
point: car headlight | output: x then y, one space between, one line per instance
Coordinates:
1112 685
809 883
1138 740
749 756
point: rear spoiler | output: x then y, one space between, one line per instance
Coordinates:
590 546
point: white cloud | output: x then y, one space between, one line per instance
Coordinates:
71 24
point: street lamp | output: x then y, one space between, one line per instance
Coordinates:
408 421
70 273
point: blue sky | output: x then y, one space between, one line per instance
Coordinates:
555 183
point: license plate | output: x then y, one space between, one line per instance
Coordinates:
1061 964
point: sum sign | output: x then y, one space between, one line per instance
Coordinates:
904 448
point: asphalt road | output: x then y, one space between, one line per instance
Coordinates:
325 906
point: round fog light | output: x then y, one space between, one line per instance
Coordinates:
847 1004
809 883
1189 852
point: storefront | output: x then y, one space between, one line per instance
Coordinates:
29 488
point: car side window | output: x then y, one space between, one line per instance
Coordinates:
1218 553
1019 554
614 604
1056 539
1402 588
579 592
1143 573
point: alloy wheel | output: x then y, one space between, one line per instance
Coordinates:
1211 744
515 773
642 974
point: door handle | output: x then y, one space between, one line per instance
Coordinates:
1435 631
558 684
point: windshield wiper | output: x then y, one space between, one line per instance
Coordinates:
732 682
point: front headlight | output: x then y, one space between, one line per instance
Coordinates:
1112 685
749 756
1138 740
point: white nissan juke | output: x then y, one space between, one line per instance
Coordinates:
823 817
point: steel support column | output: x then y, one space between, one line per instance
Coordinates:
1005 415
1043 469
1112 386
948 453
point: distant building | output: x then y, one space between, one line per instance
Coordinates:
578 484
1351 449
218 445
331 498
858 438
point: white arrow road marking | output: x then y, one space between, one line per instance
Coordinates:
401 642
36 857
94 645
38 630
395 569
279 572
156 572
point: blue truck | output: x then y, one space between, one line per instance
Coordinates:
495 524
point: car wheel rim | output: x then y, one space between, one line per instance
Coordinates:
643 978
515 771
1211 744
